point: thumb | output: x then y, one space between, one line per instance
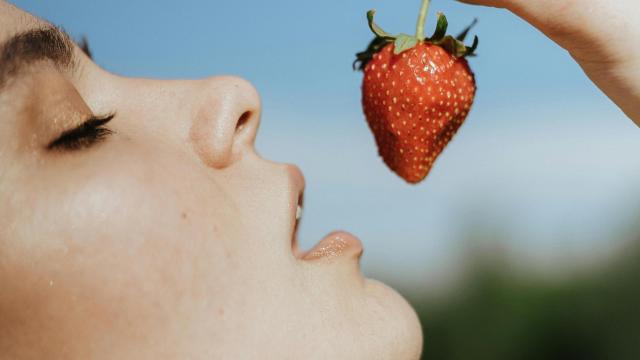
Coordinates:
555 18
597 34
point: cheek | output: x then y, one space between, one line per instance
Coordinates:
120 224
122 243
110 238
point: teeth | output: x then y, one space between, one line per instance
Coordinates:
298 212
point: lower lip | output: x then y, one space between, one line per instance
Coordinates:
335 245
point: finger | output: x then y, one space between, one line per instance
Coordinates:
553 17
493 3
597 34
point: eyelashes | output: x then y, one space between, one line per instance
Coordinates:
84 136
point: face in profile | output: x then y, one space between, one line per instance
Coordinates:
137 221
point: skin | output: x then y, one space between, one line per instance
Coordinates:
170 239
601 35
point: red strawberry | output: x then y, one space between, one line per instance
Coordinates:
416 93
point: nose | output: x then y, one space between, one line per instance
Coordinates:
226 121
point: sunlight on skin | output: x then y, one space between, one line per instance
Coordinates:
167 236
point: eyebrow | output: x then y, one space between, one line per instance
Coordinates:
23 49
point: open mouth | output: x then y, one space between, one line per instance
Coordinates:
295 245
299 208
335 244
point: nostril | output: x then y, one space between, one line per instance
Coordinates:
242 121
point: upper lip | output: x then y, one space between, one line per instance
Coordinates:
298 184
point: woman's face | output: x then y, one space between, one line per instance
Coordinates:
160 233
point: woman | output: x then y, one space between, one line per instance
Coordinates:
137 222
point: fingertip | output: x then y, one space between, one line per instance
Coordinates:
492 3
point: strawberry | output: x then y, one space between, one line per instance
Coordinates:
416 93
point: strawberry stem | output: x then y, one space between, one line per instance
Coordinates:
421 20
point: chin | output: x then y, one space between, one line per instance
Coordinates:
399 332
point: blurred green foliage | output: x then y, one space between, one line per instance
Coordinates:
500 313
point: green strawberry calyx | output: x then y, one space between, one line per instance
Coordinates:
403 42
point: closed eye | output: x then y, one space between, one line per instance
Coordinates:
85 135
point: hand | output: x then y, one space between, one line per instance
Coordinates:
603 36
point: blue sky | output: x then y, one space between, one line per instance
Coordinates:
543 155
